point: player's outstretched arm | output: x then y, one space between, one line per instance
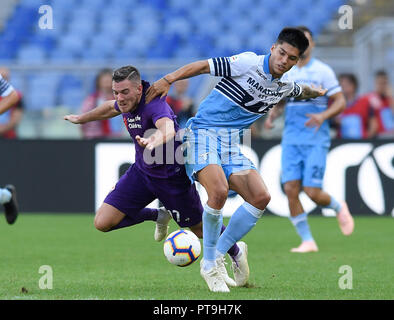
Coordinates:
105 110
8 101
162 86
164 133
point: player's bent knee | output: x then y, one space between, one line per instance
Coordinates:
217 198
261 200
291 189
313 193
101 225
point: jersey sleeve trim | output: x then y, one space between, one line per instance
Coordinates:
5 88
296 92
333 90
220 67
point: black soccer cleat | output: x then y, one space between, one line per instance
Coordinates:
11 207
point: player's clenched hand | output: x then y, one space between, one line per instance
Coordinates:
145 142
315 120
158 88
72 118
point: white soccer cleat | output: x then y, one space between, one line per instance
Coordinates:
345 220
221 265
163 218
306 246
214 279
240 265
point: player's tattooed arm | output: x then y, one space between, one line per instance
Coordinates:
311 92
162 86
105 110
165 132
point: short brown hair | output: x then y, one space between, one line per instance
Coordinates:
127 72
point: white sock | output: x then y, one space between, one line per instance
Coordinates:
5 196
208 264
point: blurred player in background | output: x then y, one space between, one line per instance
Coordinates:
251 85
102 93
181 104
381 103
167 181
10 119
305 143
9 98
358 119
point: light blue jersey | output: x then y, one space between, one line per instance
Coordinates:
246 91
314 73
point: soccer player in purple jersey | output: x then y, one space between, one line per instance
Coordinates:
8 98
146 181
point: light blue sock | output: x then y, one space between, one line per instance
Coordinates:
241 222
5 196
300 222
212 221
334 204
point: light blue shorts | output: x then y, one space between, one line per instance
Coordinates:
304 162
203 147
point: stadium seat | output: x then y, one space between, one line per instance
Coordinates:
60 57
39 99
72 43
30 54
94 56
71 97
178 26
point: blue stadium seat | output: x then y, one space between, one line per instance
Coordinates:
72 43
187 52
178 26
71 97
42 91
29 55
229 42
70 81
45 42
93 56
82 28
135 46
60 56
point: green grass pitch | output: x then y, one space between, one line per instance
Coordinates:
129 264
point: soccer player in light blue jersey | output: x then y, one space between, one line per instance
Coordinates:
8 98
305 143
251 84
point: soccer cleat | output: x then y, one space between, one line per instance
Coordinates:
345 220
306 246
213 278
240 266
11 207
221 265
163 218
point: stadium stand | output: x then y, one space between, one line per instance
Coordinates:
86 32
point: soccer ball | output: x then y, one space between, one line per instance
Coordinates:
182 248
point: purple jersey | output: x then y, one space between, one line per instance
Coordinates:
144 118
